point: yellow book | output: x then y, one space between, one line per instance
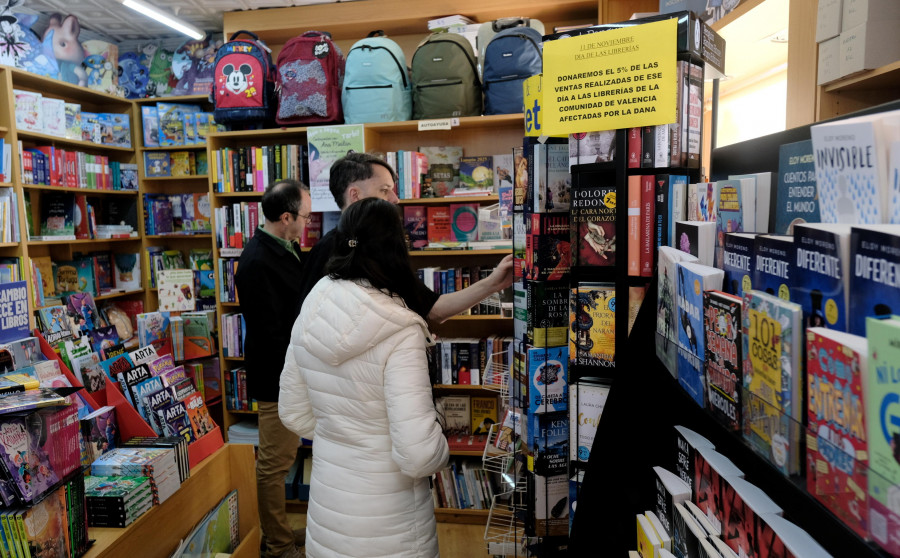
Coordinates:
10 383
484 414
180 163
647 540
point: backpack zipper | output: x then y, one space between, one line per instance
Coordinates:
397 62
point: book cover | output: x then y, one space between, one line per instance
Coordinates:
463 222
772 332
633 242
730 216
218 532
121 129
100 431
687 444
724 357
548 379
874 279
551 179
484 414
850 157
666 305
773 265
90 127
686 533
821 282
127 271
671 491
457 414
443 168
29 115
58 214
54 116
180 163
697 238
176 290
150 126
593 222
45 526
737 256
14 321
73 121
883 434
592 147
836 441
415 224
587 397
475 174
112 367
548 442
143 391
711 470
541 313
81 305
520 175
171 123
439 224
103 338
157 164
175 421
547 246
25 462
327 144
198 414
744 507
592 315
129 379
692 280
89 372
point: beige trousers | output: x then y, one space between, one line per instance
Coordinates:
277 452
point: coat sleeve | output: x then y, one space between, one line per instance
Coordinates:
294 408
419 446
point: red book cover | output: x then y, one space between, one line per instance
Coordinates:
464 222
439 224
648 215
634 148
81 217
634 226
739 523
836 447
71 173
311 233
26 165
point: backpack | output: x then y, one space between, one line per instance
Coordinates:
244 90
512 56
488 29
444 77
376 82
308 80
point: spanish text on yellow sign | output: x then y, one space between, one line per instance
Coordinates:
614 79
534 100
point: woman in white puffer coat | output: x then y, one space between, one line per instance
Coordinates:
356 381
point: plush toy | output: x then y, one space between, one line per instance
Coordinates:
14 42
159 84
133 76
63 36
101 65
192 65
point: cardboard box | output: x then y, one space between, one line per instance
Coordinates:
828 21
869 46
829 67
857 12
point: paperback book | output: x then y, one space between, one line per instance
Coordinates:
592 330
724 357
593 222
797 200
874 284
692 280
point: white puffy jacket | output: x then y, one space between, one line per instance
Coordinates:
355 380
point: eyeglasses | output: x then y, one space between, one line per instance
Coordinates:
307 218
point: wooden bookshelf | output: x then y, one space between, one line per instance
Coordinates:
186 147
177 178
36 137
86 191
449 200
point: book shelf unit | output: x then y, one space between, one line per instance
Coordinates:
90 101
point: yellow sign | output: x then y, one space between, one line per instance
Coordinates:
531 93
620 78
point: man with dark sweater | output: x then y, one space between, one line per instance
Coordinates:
360 175
268 290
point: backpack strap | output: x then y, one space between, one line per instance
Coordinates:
323 34
508 22
376 33
250 33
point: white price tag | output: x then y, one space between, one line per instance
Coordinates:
442 124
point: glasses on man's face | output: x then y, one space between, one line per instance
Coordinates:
306 218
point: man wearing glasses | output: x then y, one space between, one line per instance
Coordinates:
269 295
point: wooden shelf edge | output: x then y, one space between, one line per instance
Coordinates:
470 517
81 241
175 147
90 191
426 253
173 99
237 194
36 136
866 80
448 200
176 178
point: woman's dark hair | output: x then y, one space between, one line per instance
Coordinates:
370 245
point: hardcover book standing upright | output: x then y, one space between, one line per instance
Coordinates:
821 281
836 448
737 258
874 283
773 265
797 200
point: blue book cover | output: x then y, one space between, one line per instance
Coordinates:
737 262
772 264
115 365
822 274
143 390
729 217
875 274
548 379
150 125
14 321
691 280
666 306
796 200
548 440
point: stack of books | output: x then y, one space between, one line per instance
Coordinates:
117 501
159 464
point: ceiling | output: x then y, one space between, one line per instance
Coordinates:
111 21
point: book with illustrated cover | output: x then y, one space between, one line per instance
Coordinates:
697 238
666 309
89 372
58 215
548 379
44 527
171 122
130 378
463 222
773 378
592 147
592 331
415 225
443 168
176 290
25 463
218 532
797 199
456 412
174 420
73 121
157 164
150 126
593 222
201 423
182 163
874 289
745 506
112 367
692 279
547 442
100 430
724 357
475 175
731 218
836 439
548 254
29 115
121 129
127 271
484 414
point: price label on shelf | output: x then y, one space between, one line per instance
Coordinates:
442 124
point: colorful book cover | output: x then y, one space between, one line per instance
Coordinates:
175 421
176 290
821 271
772 332
730 216
58 214
773 265
45 526
745 506
73 121
724 357
77 277
180 163
737 256
153 327
484 414
81 305
541 314
874 286
89 372
593 222
548 379
416 226
112 367
143 391
218 532
327 144
552 181
171 123
850 157
101 431
150 126
90 127
797 200
102 338
130 378
547 246
882 385
127 271
836 447
15 318
475 173
592 147
21 455
439 224
666 305
28 111
198 414
692 279
592 315
157 164
443 168
121 129
548 442
463 222
697 238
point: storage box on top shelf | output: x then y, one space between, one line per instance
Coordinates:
869 45
857 12
828 19
829 67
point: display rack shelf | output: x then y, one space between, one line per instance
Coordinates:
88 191
55 140
81 241
176 147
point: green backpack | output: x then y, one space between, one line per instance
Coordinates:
444 78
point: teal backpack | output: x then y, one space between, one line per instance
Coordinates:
376 82
445 78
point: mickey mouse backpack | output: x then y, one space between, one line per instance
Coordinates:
309 78
244 87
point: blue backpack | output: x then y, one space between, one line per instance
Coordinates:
510 57
376 83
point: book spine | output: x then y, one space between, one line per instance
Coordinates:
634 148
647 219
634 225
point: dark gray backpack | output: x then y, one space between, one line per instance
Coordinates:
445 78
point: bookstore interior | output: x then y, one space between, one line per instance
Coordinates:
744 404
